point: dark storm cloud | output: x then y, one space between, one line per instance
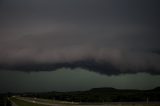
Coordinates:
119 36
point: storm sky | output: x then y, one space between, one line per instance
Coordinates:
108 37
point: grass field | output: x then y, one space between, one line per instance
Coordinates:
48 101
25 103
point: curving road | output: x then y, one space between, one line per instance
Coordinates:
38 102
13 104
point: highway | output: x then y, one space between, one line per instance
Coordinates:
32 100
63 103
13 104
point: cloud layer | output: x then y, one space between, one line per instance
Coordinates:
106 36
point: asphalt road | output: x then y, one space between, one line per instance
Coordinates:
13 104
33 100
38 102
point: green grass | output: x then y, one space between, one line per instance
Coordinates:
48 101
24 103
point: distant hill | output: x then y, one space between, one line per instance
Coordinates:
105 94
104 89
156 89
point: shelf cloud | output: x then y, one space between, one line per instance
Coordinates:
105 36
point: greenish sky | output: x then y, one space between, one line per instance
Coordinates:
69 80
112 37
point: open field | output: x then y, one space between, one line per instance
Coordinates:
24 103
38 102
42 102
29 99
